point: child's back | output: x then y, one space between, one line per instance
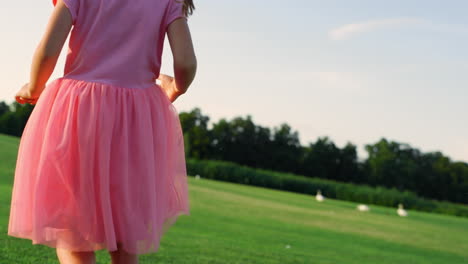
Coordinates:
101 161
119 42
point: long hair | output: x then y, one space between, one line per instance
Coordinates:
188 7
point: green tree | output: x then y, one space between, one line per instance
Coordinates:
4 108
241 141
12 122
196 134
222 141
322 159
349 170
286 149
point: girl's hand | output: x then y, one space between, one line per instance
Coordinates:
169 87
24 95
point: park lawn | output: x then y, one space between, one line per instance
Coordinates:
233 223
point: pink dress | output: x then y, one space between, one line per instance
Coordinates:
101 160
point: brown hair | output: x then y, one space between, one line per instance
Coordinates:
188 7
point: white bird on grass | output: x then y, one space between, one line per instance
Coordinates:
363 208
197 177
319 197
401 211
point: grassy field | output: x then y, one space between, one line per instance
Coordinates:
231 223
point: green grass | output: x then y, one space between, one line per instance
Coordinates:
232 223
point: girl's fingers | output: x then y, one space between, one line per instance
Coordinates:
19 100
23 100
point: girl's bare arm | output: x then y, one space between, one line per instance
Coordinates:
47 52
185 62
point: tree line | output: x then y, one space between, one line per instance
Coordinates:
239 140
389 164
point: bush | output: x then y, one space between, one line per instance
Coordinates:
231 172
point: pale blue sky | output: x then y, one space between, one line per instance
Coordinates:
351 70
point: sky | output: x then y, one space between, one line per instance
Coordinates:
353 70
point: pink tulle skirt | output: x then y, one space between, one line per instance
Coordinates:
99 166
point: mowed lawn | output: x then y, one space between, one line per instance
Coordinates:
232 223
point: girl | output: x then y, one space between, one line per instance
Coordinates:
101 161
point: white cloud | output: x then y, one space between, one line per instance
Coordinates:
348 30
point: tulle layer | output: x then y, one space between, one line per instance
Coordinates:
99 166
